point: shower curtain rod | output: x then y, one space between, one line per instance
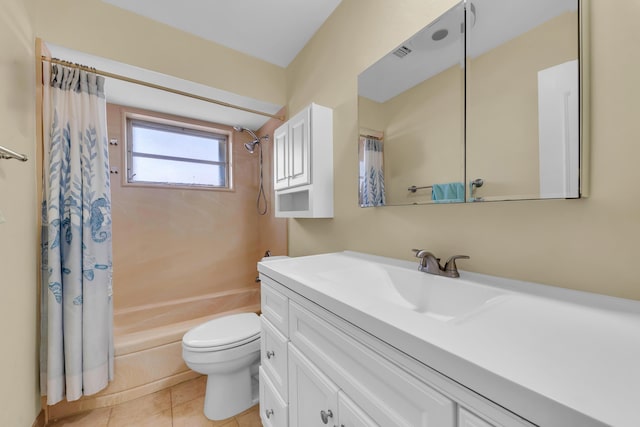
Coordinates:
378 138
159 87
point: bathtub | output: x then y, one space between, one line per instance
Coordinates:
148 346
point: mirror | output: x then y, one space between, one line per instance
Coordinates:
522 116
410 112
494 115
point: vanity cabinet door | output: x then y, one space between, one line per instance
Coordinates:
273 349
273 410
350 415
313 398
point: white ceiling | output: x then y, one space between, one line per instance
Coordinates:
274 30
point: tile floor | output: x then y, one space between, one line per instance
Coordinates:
178 406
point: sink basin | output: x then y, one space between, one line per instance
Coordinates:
438 297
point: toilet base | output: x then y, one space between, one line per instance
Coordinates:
237 390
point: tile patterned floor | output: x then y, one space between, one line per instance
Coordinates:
178 406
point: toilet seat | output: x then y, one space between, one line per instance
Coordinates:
223 333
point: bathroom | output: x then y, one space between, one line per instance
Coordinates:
586 244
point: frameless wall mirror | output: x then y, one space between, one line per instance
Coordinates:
523 100
493 115
410 112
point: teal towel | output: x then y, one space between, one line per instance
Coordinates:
452 192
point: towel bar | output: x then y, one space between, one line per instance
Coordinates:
5 153
413 188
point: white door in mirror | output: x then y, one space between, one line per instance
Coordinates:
559 131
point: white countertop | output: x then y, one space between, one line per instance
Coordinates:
554 356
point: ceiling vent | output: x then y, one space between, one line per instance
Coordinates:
402 51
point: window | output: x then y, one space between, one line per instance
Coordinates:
176 154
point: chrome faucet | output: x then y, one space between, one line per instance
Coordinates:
430 264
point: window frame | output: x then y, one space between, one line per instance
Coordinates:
159 121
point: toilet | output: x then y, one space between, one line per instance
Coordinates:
227 350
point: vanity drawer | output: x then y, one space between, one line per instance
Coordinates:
274 412
273 346
274 305
387 393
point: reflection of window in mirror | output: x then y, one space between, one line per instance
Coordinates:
522 99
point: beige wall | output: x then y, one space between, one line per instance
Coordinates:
116 34
18 235
502 93
172 243
423 138
588 244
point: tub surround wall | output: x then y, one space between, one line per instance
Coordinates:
586 244
272 231
171 244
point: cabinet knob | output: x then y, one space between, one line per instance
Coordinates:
268 413
270 354
324 416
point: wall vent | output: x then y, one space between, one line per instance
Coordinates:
402 51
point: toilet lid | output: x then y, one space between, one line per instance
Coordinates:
223 331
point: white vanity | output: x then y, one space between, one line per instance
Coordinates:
350 339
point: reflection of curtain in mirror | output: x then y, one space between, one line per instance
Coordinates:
372 173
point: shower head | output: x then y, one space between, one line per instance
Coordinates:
250 146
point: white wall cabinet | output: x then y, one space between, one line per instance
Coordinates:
336 372
303 164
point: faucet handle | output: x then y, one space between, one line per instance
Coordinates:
428 261
421 253
451 268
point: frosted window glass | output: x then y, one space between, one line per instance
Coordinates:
174 144
177 172
166 154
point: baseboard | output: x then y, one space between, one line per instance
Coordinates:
40 420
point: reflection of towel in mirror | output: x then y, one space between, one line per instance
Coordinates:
451 192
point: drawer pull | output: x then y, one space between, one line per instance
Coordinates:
324 416
268 413
270 354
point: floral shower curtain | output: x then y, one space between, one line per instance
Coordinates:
76 350
372 191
